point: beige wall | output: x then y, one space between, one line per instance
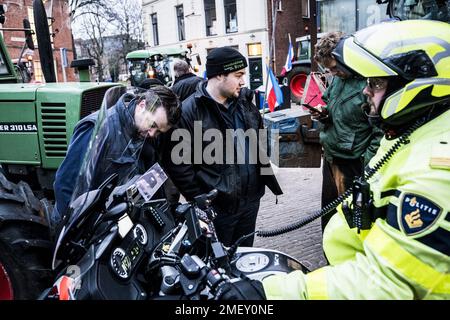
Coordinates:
252 26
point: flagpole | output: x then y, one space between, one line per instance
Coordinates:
271 44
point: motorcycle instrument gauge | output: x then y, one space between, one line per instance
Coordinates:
252 262
140 234
121 263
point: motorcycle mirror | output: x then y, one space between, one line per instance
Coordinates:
28 34
3 9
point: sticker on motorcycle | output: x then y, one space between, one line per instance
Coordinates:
151 181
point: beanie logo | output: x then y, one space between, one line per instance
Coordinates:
234 65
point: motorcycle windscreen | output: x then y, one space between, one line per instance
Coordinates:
104 167
103 158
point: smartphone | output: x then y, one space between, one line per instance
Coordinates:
323 114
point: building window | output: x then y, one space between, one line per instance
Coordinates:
210 17
180 20
230 16
38 76
154 19
305 8
369 13
333 15
254 49
279 6
30 13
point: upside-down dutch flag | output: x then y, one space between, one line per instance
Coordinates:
288 65
274 94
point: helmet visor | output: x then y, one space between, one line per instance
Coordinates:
347 52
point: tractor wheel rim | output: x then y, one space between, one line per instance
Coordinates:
298 84
6 288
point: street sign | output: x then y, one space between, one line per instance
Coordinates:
64 61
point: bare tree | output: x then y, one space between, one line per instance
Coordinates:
127 21
82 7
113 29
94 27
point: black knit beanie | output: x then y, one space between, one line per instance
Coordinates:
223 61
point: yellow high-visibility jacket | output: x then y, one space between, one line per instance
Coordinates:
402 256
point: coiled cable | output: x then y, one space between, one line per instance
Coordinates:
331 207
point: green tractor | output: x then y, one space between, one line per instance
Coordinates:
36 124
418 9
156 63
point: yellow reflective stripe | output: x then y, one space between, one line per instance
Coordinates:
289 286
407 264
440 90
426 43
401 99
445 224
391 105
408 95
316 285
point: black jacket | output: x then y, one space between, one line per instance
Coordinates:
186 85
194 179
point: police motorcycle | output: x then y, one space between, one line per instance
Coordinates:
121 242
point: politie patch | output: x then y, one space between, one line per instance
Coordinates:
417 214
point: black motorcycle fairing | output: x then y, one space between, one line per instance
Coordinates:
102 281
84 211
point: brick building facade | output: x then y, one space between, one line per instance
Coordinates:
20 9
292 18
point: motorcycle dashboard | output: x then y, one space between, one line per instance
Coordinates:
125 257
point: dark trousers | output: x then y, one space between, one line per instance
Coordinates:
337 178
231 226
172 193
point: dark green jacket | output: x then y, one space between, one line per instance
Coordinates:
347 134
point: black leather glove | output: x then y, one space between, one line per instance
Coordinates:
244 289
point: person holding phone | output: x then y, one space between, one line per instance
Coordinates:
402 251
348 139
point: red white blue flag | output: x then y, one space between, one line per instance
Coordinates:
274 94
290 56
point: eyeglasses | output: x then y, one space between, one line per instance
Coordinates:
377 84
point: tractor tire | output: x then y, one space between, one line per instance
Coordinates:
296 81
24 263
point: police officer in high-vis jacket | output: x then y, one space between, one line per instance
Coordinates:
391 238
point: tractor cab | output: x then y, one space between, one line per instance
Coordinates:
7 70
419 9
155 63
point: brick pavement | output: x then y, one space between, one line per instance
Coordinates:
302 188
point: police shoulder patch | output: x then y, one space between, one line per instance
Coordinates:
417 214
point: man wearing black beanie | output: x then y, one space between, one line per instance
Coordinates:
224 104
223 61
